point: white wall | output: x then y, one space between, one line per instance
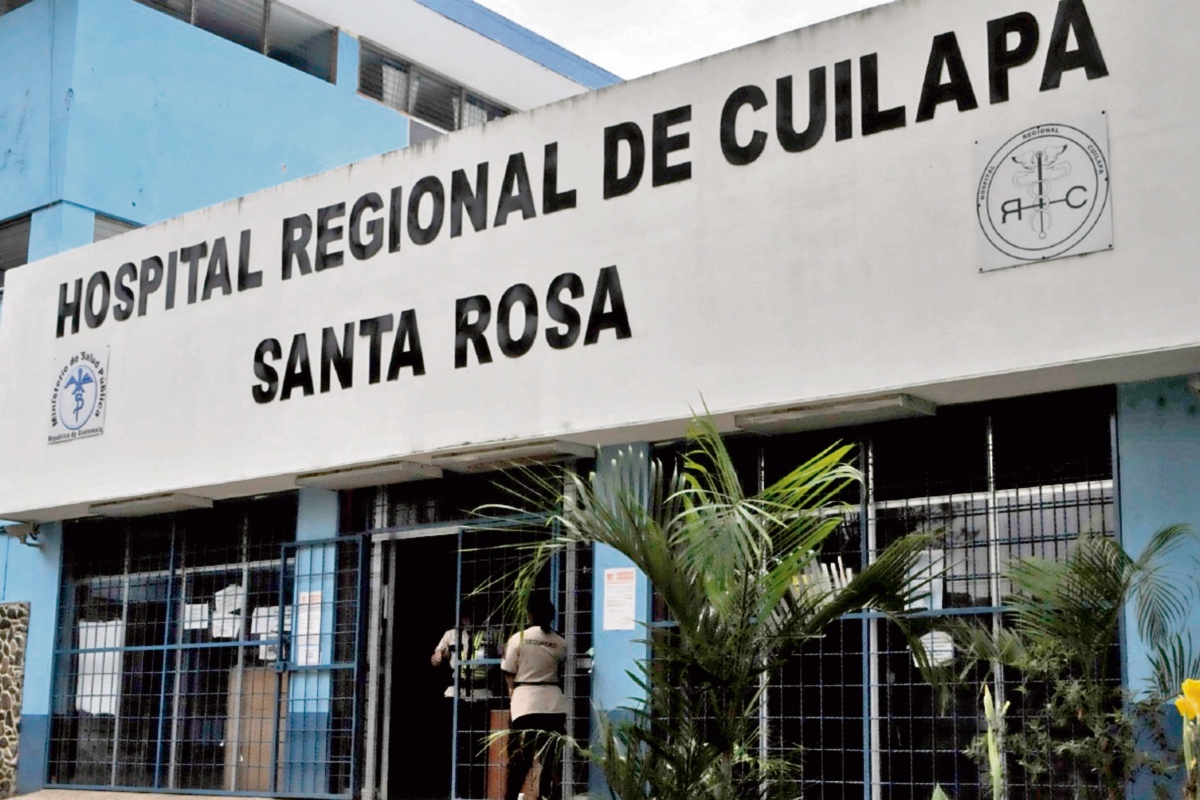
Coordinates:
848 270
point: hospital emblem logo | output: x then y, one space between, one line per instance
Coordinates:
1044 193
79 398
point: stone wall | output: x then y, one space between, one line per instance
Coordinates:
14 628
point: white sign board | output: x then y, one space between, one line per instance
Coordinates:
620 599
787 224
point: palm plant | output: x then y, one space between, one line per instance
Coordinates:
1061 636
741 581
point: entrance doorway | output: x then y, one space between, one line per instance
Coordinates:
430 730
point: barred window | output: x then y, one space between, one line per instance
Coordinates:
395 82
1000 481
206 651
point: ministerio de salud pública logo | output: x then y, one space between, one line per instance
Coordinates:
1044 193
80 395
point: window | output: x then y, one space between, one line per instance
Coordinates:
207 652
264 26
108 227
406 87
1001 481
14 245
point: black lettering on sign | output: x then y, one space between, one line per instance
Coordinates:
616 184
374 328
475 201
552 199
843 101
663 144
515 191
406 348
297 232
563 313
298 373
172 264
247 279
265 372
944 53
874 120
151 279
217 276
123 308
1000 58
93 316
523 294
69 308
735 153
789 140
432 187
192 256
337 358
396 219
1072 16
467 330
328 234
608 290
360 249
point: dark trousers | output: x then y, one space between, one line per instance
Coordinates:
527 739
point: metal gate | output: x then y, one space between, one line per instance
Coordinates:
486 560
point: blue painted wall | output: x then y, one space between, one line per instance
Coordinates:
167 118
31 575
25 56
1158 446
617 653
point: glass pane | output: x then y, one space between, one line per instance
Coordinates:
300 41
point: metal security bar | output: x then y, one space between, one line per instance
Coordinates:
407 87
205 652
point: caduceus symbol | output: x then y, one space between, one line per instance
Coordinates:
1041 168
75 385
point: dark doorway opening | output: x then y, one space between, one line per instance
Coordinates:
423 604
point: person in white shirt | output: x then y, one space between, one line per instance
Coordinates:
531 666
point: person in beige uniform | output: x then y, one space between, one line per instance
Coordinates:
531 666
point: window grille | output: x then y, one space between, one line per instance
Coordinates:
265 26
179 661
406 87
14 245
108 227
1000 481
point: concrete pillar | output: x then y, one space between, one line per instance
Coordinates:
618 652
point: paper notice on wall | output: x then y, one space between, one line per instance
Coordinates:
226 615
620 599
308 629
195 616
264 624
98 686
